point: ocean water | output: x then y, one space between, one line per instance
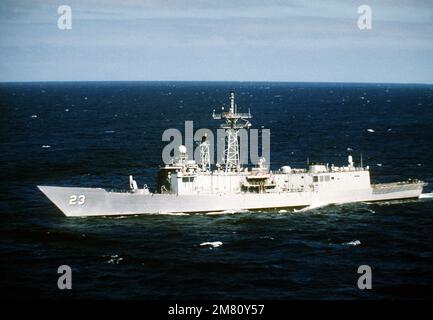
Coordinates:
96 134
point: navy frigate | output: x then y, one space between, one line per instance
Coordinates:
189 186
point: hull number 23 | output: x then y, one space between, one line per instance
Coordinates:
74 200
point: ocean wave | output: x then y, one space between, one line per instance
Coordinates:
267 238
214 244
352 243
174 213
392 202
312 207
223 212
114 259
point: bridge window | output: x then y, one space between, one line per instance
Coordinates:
315 179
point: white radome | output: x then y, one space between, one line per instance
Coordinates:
286 169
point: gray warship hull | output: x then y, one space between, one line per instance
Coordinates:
78 202
186 185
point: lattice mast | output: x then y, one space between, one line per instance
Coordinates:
204 148
231 127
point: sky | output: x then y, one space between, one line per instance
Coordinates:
217 40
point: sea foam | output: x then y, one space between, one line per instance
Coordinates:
214 244
426 195
353 243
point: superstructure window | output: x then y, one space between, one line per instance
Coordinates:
187 179
315 179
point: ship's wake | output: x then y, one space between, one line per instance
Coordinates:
173 213
426 195
225 212
312 207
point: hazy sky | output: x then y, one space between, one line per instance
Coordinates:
247 40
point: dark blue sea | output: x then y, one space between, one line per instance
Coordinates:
95 134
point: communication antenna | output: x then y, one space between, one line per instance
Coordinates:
231 127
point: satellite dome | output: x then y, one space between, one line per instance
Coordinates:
286 169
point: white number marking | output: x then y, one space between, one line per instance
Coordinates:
73 199
81 199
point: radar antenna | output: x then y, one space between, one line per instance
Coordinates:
231 127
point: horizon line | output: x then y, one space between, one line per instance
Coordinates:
220 81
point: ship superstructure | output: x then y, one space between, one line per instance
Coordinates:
187 185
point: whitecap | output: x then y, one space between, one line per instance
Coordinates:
115 259
34 116
282 211
370 130
267 237
379 164
214 244
46 146
353 243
